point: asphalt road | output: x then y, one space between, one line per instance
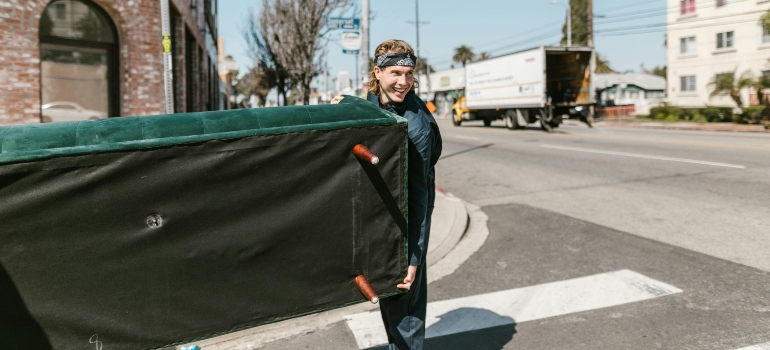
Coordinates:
689 211
717 210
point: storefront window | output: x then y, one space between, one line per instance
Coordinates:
78 62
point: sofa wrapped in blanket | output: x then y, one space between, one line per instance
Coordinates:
145 232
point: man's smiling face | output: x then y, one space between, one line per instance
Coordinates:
395 82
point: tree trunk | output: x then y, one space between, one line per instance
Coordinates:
737 99
262 100
306 94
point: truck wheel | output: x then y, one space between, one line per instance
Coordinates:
487 122
512 120
554 124
545 125
509 122
456 121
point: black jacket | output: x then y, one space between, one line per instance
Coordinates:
424 151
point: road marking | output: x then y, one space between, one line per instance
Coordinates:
467 137
685 143
763 346
520 305
645 156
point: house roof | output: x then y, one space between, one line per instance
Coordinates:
642 80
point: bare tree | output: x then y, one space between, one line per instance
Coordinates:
291 33
256 82
259 38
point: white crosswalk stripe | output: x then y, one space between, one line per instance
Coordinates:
520 305
763 346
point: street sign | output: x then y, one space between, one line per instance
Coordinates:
351 42
343 23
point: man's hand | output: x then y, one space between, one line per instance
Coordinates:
336 99
410 273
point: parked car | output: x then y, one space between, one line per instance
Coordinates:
64 111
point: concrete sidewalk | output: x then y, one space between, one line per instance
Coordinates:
449 223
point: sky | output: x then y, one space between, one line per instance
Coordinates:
631 33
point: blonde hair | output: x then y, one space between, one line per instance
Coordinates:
388 46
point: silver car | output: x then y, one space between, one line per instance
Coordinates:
64 111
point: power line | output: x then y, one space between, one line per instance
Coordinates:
633 18
717 17
560 22
658 30
531 31
634 13
539 36
508 47
645 2
617 29
677 8
627 30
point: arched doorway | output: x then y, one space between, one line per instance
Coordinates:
78 62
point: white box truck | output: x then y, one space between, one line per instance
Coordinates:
542 84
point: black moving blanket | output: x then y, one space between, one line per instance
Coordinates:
139 245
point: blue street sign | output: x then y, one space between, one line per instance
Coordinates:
352 52
343 23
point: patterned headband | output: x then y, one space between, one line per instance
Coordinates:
395 59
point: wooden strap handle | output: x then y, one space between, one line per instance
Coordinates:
366 289
365 154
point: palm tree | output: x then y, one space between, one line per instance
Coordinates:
464 54
483 56
423 67
760 85
580 25
726 84
603 64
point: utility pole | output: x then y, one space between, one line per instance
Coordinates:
590 23
364 42
569 23
417 24
417 29
168 72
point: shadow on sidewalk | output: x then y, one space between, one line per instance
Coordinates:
491 338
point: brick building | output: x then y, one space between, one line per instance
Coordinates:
81 59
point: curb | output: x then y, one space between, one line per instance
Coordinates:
728 127
457 216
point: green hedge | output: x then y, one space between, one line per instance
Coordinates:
750 115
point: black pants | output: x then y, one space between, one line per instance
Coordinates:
404 314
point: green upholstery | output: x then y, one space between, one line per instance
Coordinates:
36 141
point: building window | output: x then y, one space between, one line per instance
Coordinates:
725 40
765 35
59 10
78 62
723 2
687 45
687 6
687 83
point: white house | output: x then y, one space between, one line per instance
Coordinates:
709 37
639 89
